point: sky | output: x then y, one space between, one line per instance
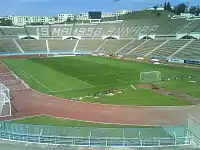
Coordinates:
54 7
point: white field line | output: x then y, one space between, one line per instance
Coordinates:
86 88
121 80
33 78
111 73
92 121
12 73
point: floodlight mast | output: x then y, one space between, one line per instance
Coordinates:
116 13
158 3
188 5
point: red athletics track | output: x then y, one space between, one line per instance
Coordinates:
30 102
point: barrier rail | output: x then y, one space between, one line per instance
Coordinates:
102 142
98 137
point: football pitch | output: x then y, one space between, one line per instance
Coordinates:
81 77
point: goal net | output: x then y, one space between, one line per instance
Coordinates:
5 104
152 76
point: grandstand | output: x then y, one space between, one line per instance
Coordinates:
13 31
148 47
32 45
131 46
110 46
9 45
191 51
157 48
32 30
87 45
191 26
166 50
62 45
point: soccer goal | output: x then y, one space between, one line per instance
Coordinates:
152 76
5 104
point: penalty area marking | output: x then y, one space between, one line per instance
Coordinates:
88 87
111 73
33 78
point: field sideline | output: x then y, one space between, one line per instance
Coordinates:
82 76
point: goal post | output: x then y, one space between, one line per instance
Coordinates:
5 104
152 76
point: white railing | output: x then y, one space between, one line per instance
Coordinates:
101 142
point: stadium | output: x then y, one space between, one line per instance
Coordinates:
130 83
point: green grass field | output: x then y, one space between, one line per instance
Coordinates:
74 77
49 120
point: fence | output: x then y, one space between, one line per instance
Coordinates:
194 129
5 105
88 136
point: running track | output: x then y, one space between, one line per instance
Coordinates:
30 102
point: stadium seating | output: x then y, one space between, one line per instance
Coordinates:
32 45
192 51
166 25
113 45
168 49
83 30
8 45
62 45
148 47
32 30
132 45
192 26
172 26
128 31
87 45
14 31
109 29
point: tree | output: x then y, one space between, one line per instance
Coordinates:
68 20
165 5
155 8
56 18
168 7
5 22
193 10
181 8
198 10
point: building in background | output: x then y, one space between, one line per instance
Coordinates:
123 12
65 17
118 13
28 20
60 18
108 14
82 16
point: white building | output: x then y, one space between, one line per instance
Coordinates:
24 20
118 13
123 12
64 17
82 16
108 14
158 8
